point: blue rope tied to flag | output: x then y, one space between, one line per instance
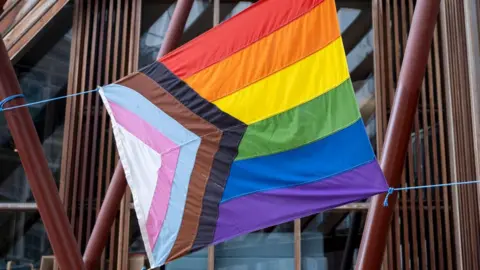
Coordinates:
7 99
391 190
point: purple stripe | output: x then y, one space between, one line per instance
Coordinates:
264 209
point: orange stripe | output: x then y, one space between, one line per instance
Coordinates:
247 27
282 48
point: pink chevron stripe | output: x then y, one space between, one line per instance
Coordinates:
161 197
161 144
141 129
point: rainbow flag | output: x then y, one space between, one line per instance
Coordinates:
251 124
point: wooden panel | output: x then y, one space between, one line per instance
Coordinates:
105 40
15 11
461 133
420 236
297 240
23 20
472 19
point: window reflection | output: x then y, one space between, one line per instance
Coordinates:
41 76
155 20
228 10
24 240
330 239
268 249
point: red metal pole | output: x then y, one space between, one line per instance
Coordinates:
118 185
175 29
397 138
36 168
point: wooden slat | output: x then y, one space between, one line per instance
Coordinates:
106 48
459 250
33 22
211 258
92 8
10 16
443 163
108 175
69 125
472 19
102 179
78 184
297 240
95 80
70 168
427 168
27 6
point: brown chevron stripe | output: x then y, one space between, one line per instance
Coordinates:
205 156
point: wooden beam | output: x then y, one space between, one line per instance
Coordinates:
27 27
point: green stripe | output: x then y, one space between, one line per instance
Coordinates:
303 124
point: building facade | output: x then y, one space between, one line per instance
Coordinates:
65 47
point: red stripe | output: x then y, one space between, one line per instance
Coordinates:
255 22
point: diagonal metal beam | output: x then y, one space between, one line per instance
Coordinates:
398 134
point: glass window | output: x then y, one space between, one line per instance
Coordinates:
268 249
41 73
156 17
23 240
330 239
228 10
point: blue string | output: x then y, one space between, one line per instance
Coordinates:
7 99
391 190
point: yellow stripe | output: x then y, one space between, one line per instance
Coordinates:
290 87
289 44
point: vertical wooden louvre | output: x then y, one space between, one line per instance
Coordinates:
23 20
105 44
421 235
461 137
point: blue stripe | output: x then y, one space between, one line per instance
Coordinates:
337 153
138 104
